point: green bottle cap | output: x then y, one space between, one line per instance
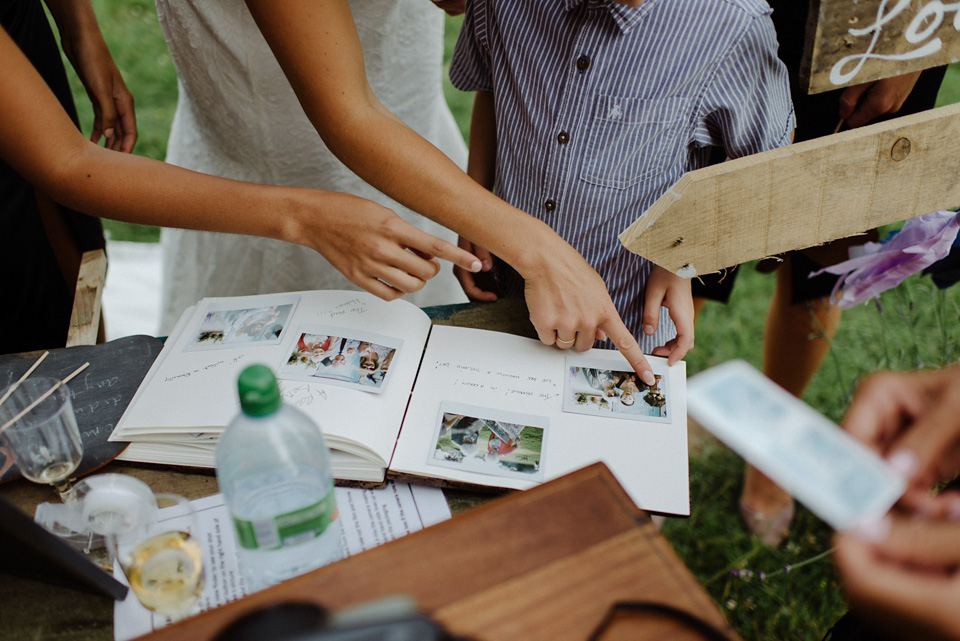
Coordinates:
259 393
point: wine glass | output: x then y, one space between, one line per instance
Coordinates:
41 433
157 546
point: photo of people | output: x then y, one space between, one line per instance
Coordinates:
487 441
233 327
594 388
340 356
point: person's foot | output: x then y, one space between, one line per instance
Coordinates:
765 508
771 528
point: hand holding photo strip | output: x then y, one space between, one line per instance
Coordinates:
823 467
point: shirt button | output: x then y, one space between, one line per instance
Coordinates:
563 137
583 62
549 205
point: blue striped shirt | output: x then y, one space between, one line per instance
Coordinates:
601 107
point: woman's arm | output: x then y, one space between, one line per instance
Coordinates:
39 141
83 43
317 45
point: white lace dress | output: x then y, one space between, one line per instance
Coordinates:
238 117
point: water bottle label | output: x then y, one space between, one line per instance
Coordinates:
290 528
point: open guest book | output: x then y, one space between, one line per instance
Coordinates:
398 396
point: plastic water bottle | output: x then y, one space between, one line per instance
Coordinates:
273 468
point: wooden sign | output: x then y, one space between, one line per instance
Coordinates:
803 195
856 41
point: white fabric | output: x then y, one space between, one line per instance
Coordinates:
238 117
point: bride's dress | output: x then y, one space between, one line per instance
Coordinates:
238 117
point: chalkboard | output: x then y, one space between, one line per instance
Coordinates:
100 393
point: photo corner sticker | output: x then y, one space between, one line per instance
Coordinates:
341 357
489 441
600 387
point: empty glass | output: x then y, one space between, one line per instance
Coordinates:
44 442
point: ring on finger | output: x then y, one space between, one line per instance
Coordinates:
560 341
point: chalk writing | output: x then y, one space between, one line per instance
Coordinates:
95 384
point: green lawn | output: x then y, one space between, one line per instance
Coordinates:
914 326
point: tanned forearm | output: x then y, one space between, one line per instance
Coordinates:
326 70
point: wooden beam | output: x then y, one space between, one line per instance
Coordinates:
803 195
850 42
85 317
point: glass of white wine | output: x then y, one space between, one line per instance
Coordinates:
161 556
40 432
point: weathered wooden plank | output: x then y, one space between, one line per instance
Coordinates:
85 317
850 42
803 195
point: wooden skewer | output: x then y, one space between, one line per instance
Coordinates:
23 378
39 400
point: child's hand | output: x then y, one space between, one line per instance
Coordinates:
673 292
466 278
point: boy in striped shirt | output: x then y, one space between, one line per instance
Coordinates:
587 111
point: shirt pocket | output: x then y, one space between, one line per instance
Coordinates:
632 139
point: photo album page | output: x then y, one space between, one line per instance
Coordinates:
500 410
346 359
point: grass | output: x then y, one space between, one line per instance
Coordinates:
914 326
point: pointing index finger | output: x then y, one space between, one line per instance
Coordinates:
428 244
627 344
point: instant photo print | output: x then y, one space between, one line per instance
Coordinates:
592 387
489 441
340 356
229 326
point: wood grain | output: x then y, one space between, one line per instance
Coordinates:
85 317
832 35
803 195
